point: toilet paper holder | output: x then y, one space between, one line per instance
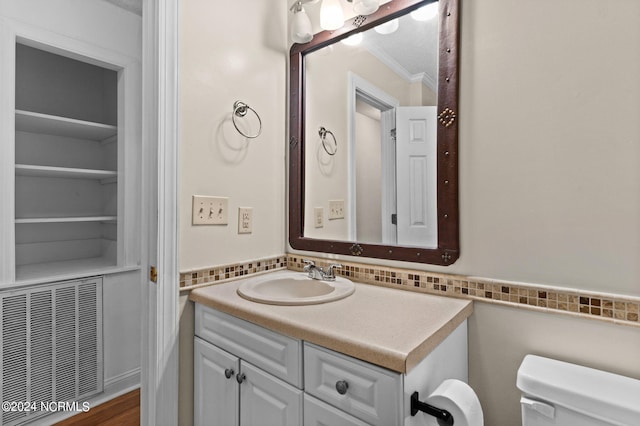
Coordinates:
444 417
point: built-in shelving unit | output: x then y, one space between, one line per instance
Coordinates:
104 176
34 122
66 166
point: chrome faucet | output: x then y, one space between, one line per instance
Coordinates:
317 273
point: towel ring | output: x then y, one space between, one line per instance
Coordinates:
240 109
323 136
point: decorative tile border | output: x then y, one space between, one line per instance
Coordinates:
586 304
201 277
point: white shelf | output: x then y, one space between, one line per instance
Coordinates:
65 172
69 269
67 219
34 122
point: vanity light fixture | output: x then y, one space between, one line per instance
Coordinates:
301 31
331 16
365 7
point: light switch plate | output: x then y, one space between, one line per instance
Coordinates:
245 220
210 210
336 209
318 217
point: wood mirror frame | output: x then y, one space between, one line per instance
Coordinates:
447 250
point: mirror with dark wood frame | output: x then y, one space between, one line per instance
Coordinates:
416 217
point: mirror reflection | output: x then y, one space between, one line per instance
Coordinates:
376 93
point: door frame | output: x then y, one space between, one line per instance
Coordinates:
358 87
160 300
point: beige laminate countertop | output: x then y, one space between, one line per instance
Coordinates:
392 328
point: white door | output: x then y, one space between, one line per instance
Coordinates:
216 399
268 401
416 169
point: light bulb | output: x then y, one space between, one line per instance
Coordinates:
365 7
331 15
301 31
387 27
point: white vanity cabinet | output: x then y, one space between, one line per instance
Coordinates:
244 374
248 375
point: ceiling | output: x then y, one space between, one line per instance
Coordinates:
412 50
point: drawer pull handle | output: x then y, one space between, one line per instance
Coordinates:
342 386
228 373
240 377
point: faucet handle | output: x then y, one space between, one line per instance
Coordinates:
308 264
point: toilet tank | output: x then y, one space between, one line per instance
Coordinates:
562 394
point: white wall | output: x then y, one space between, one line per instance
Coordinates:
549 179
235 51
549 157
228 52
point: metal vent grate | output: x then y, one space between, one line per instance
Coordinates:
51 345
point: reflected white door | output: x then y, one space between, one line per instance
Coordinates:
416 169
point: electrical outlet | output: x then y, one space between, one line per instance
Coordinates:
336 209
210 210
245 220
318 217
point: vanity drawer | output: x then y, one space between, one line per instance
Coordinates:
273 352
317 413
366 391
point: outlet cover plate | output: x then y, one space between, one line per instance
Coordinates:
318 217
210 210
245 220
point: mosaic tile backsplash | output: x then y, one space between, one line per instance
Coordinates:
200 277
601 306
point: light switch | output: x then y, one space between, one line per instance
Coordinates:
210 210
336 209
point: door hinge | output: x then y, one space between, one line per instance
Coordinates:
394 219
153 274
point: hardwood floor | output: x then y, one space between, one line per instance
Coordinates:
121 411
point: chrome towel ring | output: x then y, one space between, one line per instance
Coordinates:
323 136
240 109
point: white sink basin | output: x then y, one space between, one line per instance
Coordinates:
294 288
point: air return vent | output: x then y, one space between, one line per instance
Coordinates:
51 345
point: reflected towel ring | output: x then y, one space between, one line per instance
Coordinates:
240 110
323 136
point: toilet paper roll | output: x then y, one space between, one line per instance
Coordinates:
460 400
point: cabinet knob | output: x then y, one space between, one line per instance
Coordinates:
228 373
342 386
240 377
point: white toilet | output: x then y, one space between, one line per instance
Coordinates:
562 394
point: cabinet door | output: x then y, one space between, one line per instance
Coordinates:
268 401
216 399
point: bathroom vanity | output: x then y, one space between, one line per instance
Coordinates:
354 361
